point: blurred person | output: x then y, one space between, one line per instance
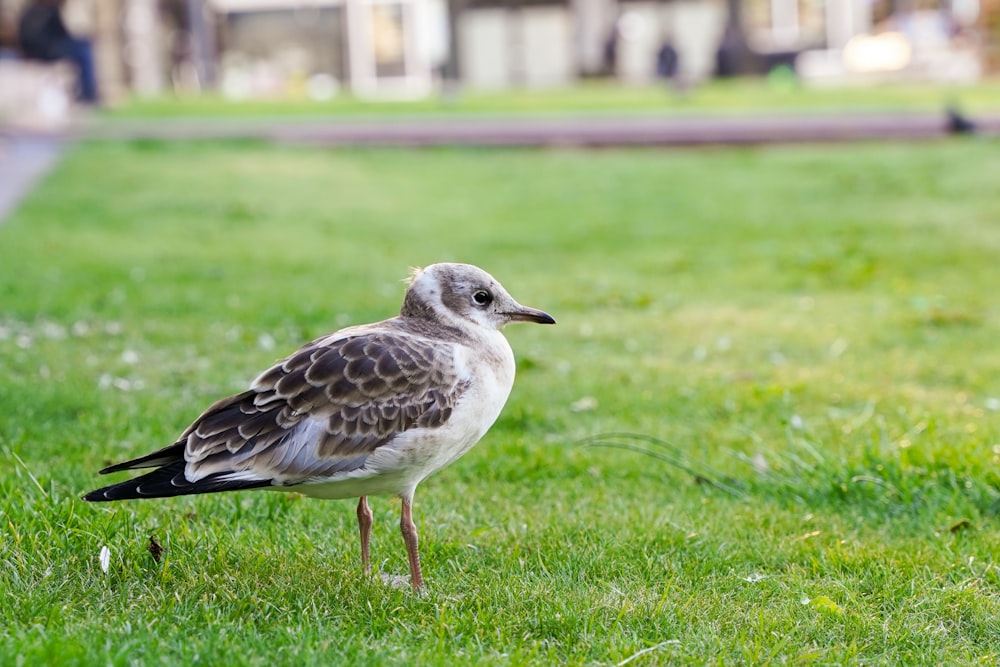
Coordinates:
177 25
667 61
610 53
668 68
8 35
43 36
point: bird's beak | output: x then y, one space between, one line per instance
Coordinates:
525 314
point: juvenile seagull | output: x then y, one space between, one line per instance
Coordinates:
370 409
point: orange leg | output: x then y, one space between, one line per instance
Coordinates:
409 531
365 527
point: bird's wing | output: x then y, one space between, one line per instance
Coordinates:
326 408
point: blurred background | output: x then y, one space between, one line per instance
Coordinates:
790 352
419 49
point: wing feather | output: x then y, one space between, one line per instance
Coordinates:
321 411
327 407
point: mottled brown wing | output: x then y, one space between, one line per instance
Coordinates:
326 408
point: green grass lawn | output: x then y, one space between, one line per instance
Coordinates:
713 97
801 343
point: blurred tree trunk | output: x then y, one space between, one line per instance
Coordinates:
450 73
734 57
989 23
109 64
202 43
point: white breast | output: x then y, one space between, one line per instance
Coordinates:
398 466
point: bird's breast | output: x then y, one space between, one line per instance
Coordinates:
489 371
398 466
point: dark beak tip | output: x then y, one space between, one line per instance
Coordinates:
532 315
540 317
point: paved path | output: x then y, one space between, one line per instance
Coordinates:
595 131
23 161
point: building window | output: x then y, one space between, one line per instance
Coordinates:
785 25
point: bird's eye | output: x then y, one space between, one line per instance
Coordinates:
482 298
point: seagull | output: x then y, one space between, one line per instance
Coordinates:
367 410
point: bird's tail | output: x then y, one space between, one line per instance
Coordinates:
167 482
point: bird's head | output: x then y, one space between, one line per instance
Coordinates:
462 293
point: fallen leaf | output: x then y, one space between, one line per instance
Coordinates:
825 604
960 525
154 548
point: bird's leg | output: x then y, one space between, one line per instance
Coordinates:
365 527
409 531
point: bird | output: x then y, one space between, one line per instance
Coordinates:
957 122
372 409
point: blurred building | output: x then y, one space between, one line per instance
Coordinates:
312 47
406 48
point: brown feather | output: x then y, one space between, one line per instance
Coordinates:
366 388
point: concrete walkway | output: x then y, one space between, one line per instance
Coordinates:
24 160
585 131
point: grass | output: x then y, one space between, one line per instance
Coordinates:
801 341
714 97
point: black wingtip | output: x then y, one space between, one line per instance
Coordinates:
168 455
162 482
167 482
121 491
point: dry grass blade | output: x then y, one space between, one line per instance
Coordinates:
663 451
